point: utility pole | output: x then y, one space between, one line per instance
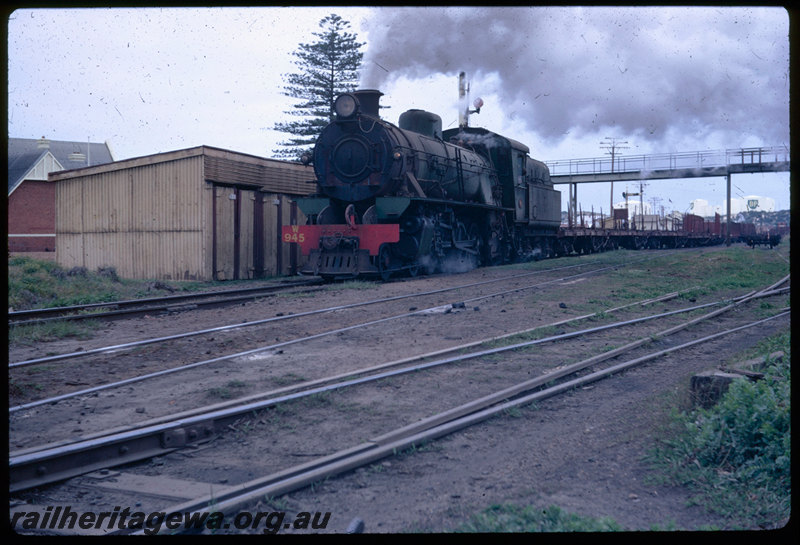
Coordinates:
641 201
728 222
658 211
612 145
641 198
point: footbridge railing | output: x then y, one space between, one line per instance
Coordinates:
684 163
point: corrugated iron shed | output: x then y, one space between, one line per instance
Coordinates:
201 213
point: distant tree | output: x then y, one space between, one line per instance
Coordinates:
328 68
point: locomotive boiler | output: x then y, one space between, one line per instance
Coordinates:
412 197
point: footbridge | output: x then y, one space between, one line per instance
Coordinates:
694 164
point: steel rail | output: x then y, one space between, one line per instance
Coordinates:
238 497
352 374
42 465
277 345
134 344
55 399
20 317
167 308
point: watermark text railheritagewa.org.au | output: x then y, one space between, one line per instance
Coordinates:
63 517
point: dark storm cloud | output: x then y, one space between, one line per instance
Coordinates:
652 73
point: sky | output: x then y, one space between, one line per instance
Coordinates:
561 80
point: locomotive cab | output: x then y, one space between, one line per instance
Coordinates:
525 184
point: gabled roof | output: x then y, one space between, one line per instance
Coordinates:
219 166
25 153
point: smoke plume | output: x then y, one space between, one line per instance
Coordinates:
648 73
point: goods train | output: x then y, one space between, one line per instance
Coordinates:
414 198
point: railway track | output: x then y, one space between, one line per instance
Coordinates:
192 431
230 502
151 305
232 499
235 297
280 345
38 466
291 316
277 346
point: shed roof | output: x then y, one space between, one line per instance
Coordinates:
25 153
221 166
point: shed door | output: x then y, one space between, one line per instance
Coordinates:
238 233
225 219
247 234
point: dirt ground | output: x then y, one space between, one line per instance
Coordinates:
582 452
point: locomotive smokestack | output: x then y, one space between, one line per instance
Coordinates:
369 99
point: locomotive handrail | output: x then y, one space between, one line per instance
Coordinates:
669 161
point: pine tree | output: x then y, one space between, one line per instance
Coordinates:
328 68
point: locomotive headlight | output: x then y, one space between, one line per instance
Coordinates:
397 155
345 105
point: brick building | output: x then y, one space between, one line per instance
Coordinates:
31 198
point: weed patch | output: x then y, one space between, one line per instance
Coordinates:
512 518
51 331
736 455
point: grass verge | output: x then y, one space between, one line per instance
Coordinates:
512 518
736 455
37 283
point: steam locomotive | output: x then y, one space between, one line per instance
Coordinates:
413 198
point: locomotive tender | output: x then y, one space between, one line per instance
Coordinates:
413 198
